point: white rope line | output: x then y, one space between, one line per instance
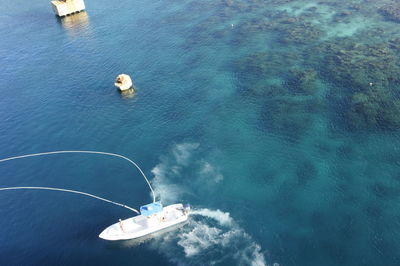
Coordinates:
90 152
72 191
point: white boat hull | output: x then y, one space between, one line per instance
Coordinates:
139 226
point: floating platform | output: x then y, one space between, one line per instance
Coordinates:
66 7
153 218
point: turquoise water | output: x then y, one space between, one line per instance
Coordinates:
278 121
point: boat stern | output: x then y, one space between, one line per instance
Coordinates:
186 209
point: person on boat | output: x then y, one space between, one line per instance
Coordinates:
121 224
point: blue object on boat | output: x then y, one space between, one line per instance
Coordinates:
151 208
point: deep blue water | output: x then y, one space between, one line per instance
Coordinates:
278 121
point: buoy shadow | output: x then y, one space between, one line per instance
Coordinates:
128 93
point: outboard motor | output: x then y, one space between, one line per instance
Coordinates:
186 208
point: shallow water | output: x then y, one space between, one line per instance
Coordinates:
260 114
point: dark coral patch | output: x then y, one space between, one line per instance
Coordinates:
375 108
302 80
391 11
305 171
384 191
290 116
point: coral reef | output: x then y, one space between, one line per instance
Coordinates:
289 105
291 116
259 73
366 79
305 172
299 33
391 11
355 65
302 80
374 109
296 53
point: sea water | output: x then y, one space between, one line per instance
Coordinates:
268 117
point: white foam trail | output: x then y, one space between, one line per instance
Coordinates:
249 255
223 218
210 171
183 151
200 241
200 238
203 243
170 169
165 190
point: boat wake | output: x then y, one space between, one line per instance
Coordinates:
223 218
210 236
175 169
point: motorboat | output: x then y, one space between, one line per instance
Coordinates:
153 217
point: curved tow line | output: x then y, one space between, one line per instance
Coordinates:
90 152
72 191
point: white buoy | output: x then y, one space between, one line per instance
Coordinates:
123 82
